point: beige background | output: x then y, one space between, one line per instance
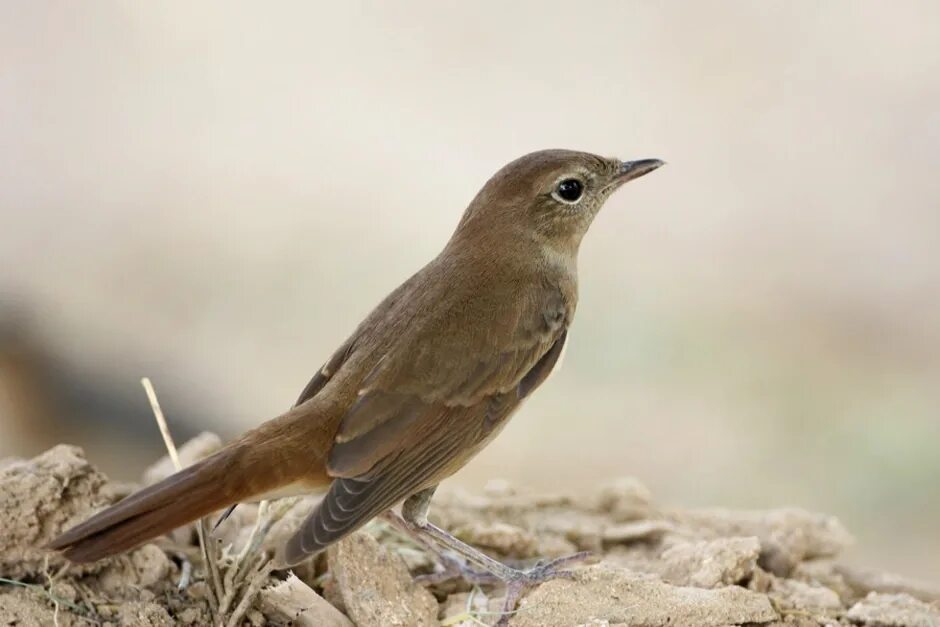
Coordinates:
214 194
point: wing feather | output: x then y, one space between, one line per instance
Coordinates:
405 454
353 501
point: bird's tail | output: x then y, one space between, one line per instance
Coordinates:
270 459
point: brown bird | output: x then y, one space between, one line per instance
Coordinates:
423 383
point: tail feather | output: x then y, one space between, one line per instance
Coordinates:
177 500
270 461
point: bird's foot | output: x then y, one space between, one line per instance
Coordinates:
516 580
544 570
452 567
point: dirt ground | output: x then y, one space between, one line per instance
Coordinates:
649 567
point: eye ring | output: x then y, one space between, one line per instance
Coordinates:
569 191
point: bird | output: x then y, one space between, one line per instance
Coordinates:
424 382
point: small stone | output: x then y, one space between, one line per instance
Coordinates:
198 590
142 568
710 564
136 614
376 587
791 594
190 616
893 610
624 499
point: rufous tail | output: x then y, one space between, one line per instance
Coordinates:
266 460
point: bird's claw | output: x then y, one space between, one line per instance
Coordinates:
546 570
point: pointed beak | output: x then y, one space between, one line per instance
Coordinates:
630 170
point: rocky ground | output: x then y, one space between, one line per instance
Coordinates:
652 566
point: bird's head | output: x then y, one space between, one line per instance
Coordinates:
549 196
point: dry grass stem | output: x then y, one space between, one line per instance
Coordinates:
208 555
258 578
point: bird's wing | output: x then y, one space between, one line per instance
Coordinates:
325 373
439 440
413 424
396 299
453 360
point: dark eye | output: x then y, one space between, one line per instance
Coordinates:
570 190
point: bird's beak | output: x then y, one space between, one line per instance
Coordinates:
630 170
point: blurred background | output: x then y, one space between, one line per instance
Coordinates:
214 194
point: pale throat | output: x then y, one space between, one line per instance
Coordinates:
560 256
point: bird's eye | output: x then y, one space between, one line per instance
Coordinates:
569 190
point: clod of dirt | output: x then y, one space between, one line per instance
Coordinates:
791 595
894 610
825 572
600 593
294 602
699 568
22 606
863 581
142 568
376 587
38 499
710 563
788 536
623 500
144 615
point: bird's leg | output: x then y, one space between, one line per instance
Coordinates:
453 566
414 519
